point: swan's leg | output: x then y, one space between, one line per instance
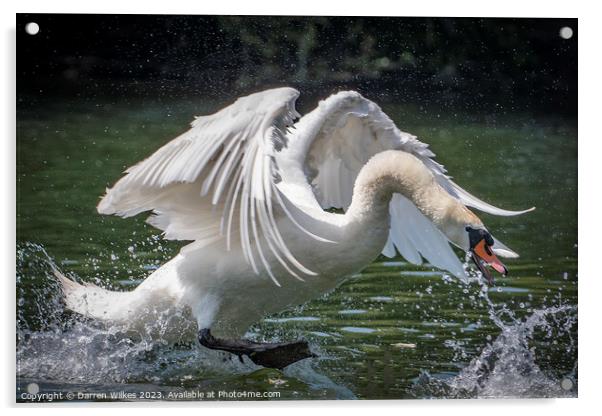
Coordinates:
268 354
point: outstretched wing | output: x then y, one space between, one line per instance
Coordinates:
338 138
218 176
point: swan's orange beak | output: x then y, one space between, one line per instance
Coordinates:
481 253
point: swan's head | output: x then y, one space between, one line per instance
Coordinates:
480 248
465 230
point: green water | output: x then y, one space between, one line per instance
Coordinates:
393 331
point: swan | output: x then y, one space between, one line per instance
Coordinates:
250 188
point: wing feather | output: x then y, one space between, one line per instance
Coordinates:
218 175
472 201
335 140
422 235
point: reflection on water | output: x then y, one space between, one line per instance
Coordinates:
393 331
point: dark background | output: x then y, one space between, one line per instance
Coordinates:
472 64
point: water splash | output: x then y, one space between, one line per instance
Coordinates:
57 349
55 344
508 366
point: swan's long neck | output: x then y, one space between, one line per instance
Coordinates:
393 172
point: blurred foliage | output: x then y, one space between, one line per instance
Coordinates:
506 60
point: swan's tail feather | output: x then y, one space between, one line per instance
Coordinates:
90 300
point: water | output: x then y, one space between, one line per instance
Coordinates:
392 331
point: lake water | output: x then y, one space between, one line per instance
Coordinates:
393 331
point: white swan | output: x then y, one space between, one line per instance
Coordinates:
250 187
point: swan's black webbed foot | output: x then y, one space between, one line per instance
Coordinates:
269 354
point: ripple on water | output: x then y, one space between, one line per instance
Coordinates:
292 319
471 327
421 273
381 298
321 334
440 324
352 311
358 330
150 267
408 330
393 263
511 289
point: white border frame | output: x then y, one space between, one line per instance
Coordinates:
589 220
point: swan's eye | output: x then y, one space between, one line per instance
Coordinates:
489 239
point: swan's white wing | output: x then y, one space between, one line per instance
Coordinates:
412 233
336 139
218 176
